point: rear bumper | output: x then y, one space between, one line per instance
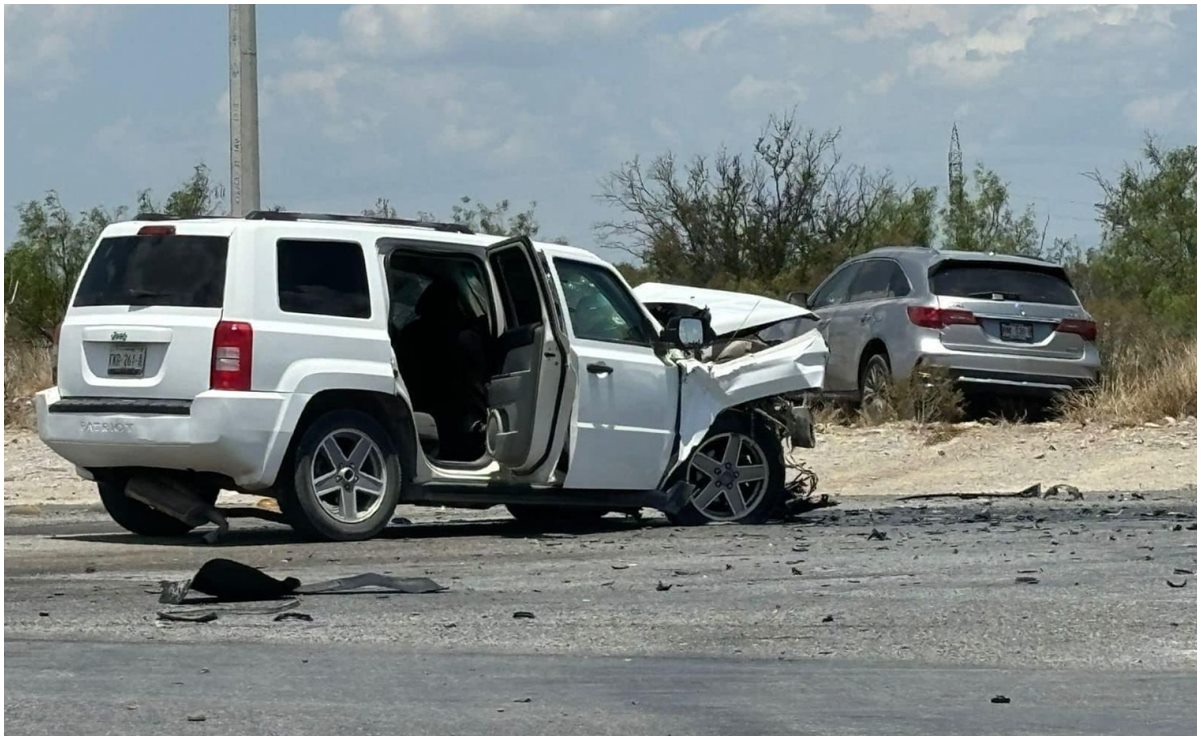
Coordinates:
239 435
1006 373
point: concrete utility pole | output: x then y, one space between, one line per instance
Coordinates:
243 111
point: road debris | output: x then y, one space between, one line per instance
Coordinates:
1182 584
229 580
199 617
523 615
877 535
999 699
661 586
196 718
298 616
1025 579
796 571
828 618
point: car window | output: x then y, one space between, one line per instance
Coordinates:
835 289
518 288
322 277
599 305
165 270
878 279
1003 282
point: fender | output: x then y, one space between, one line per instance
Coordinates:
709 388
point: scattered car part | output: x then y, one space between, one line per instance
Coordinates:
229 580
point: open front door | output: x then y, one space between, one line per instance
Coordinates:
527 387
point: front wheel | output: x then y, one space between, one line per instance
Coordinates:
738 474
346 482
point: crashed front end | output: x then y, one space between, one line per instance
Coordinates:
760 353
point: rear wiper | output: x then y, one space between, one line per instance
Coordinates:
991 293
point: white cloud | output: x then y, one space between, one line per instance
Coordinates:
881 84
888 21
416 30
970 56
42 42
752 90
791 16
1154 110
701 37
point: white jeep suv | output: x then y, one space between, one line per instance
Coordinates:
344 365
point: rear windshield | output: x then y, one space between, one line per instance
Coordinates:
156 271
1003 283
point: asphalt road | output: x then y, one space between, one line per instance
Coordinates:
807 627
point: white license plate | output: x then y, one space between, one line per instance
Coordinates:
127 359
1012 331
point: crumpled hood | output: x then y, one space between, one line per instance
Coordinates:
729 311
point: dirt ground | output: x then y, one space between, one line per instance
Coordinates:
894 459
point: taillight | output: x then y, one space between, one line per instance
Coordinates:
1086 329
159 230
938 318
233 350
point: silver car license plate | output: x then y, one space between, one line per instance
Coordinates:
1015 331
127 359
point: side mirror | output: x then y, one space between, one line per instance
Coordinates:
799 298
685 333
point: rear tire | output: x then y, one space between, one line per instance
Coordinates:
759 452
346 478
874 381
139 518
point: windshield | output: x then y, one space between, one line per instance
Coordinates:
156 271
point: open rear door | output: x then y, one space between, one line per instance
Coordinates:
528 389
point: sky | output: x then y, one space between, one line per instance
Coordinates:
423 104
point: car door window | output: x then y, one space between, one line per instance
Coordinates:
835 289
872 282
599 306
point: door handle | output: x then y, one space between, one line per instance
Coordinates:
599 368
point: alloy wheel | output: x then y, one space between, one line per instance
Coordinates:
731 475
349 475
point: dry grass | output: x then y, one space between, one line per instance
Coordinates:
27 370
1140 382
927 396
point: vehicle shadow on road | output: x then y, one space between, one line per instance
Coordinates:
262 533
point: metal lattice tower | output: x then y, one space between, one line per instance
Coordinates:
955 169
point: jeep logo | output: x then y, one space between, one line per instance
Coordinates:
105 427
118 336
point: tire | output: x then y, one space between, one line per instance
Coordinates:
758 498
555 517
139 518
874 378
343 492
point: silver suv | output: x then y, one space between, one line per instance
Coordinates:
999 324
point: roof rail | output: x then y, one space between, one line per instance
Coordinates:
169 217
294 216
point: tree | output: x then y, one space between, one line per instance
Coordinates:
477 216
1147 258
773 221
196 196
985 222
43 262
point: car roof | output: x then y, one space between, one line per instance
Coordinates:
365 232
927 256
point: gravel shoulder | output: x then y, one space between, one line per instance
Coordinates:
893 459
